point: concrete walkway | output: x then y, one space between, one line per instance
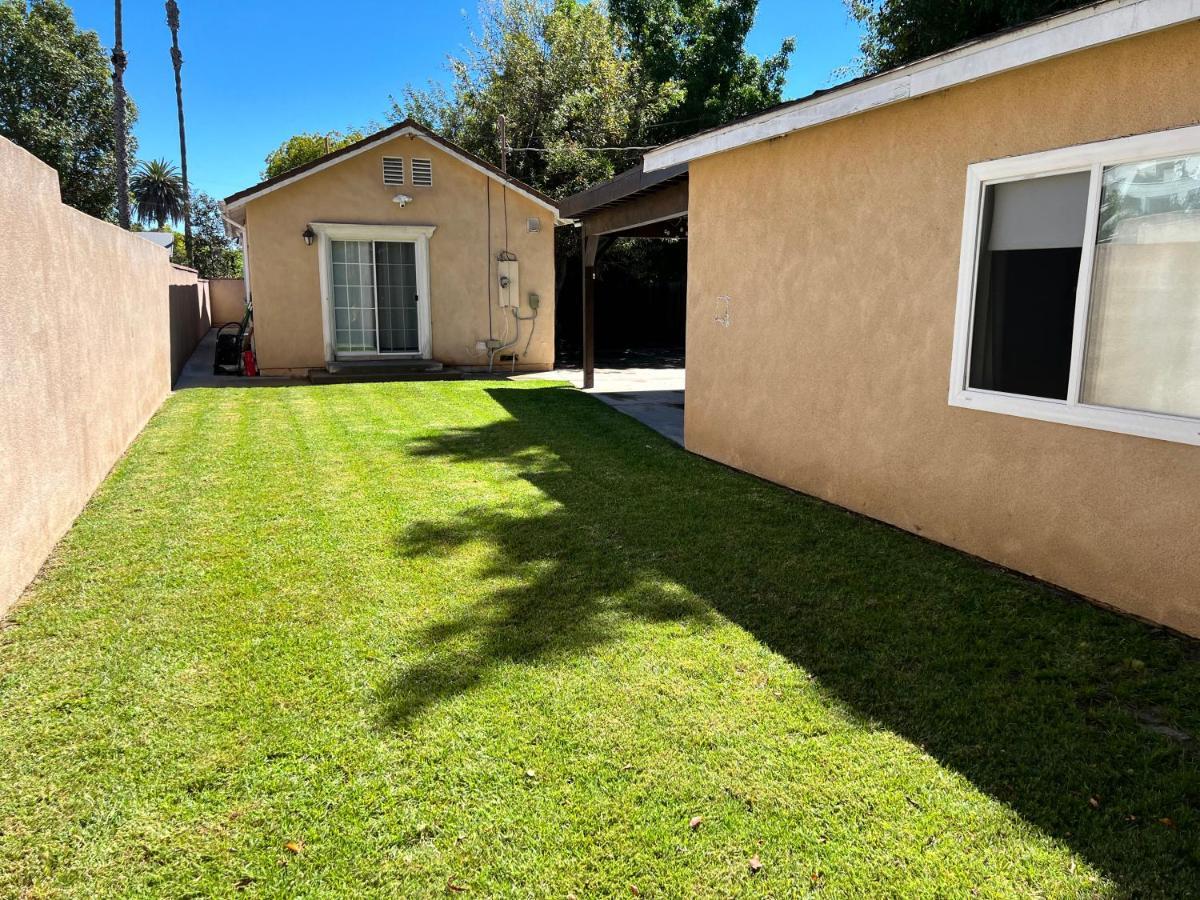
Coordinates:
198 371
652 396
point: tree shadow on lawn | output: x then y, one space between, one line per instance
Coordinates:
1046 703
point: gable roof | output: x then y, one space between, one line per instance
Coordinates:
234 202
1023 45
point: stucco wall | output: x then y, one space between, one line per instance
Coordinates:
838 248
284 271
190 314
228 298
85 358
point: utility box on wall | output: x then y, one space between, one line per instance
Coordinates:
510 286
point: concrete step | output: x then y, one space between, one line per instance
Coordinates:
320 376
381 366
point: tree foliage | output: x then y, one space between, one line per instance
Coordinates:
304 148
214 253
56 100
157 192
699 47
901 31
564 79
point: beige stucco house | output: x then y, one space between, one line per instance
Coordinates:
399 250
963 297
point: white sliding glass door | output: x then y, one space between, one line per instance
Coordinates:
375 290
375 301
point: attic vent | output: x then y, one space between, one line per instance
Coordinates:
534 224
422 173
393 170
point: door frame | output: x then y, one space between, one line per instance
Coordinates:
416 234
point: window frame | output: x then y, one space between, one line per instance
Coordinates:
1092 158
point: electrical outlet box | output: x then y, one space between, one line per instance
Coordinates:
534 300
510 285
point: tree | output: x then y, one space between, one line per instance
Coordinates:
177 64
700 47
901 31
565 81
304 148
57 100
120 127
157 193
214 253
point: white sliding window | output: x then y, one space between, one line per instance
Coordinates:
1079 287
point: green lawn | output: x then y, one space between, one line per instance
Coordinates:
487 639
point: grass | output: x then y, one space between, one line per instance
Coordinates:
482 639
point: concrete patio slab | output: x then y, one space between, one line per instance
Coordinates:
653 396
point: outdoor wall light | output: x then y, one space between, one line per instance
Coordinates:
308 236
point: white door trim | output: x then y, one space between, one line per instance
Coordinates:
419 235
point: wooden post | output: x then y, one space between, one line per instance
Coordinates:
590 244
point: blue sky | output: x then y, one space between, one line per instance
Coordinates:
257 72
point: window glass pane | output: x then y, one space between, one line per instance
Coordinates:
1026 280
397 293
1143 339
353 296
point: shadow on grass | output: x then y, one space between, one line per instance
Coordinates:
1046 703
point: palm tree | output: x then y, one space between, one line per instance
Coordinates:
122 137
177 62
157 192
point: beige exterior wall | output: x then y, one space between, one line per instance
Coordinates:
839 247
228 296
85 357
284 276
190 311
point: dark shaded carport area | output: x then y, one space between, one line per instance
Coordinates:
627 330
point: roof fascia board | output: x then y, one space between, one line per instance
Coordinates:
383 139
1058 36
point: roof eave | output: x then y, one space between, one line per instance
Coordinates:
1045 39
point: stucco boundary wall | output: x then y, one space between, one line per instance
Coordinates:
228 297
86 313
190 306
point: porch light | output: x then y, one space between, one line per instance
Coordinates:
308 235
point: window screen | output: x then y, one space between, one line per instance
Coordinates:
1143 346
1026 283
